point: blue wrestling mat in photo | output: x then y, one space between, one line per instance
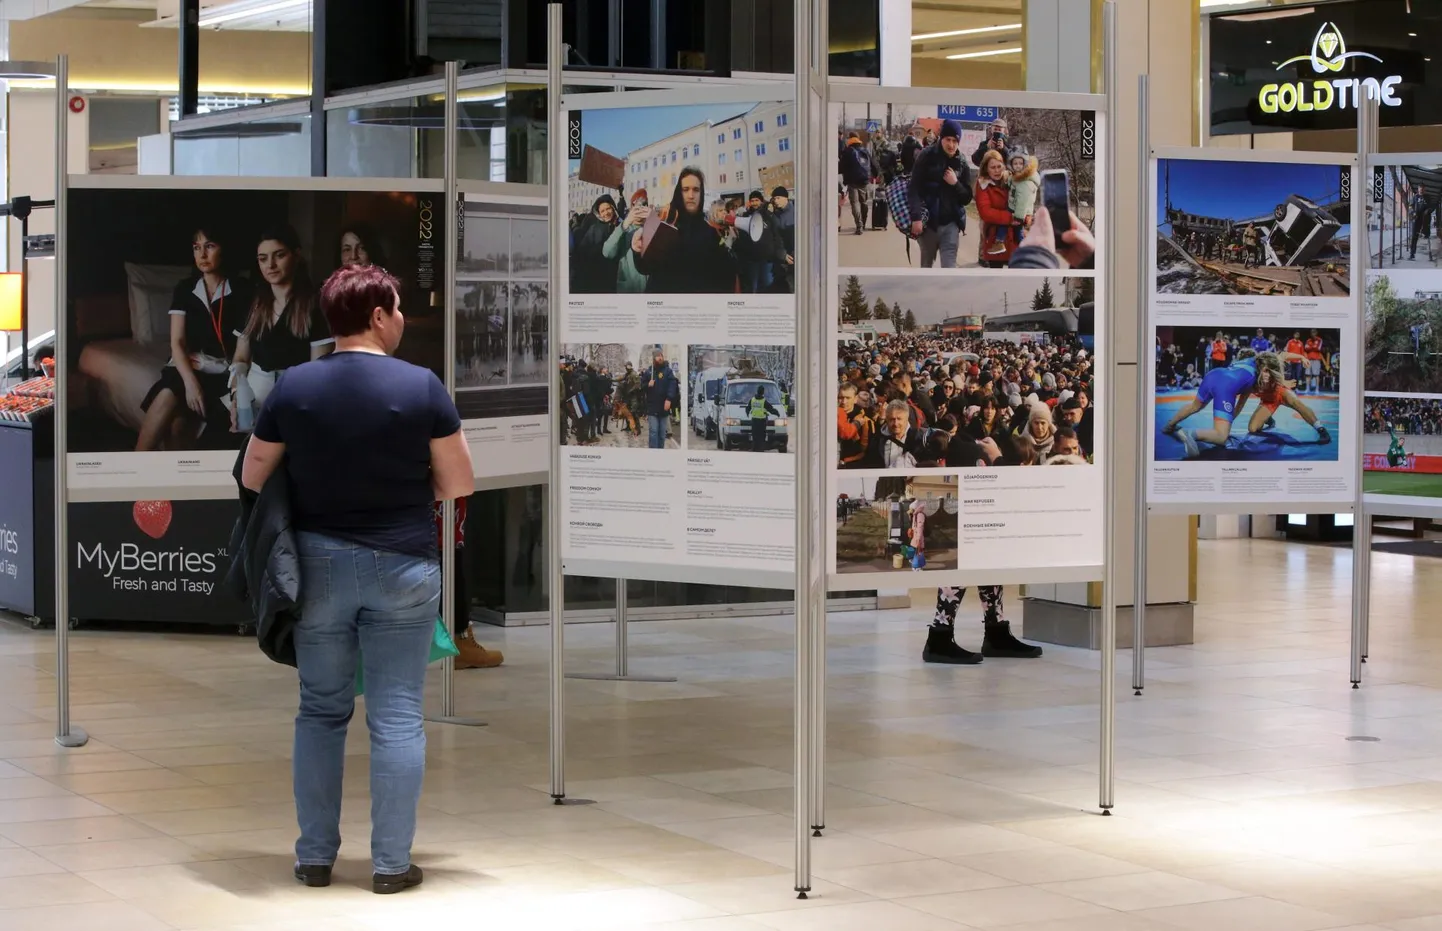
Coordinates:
1290 440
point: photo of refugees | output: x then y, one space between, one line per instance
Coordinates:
1403 231
619 396
684 200
896 523
1402 447
185 306
1404 318
503 312
1263 228
742 397
998 373
1258 394
963 187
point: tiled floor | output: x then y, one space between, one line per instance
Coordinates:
960 797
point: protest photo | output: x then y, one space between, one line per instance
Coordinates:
896 523
620 396
683 200
742 398
1256 394
931 374
1257 228
1404 318
963 187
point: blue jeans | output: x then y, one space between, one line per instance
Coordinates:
942 239
376 608
756 277
657 423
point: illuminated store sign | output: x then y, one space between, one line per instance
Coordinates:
1329 55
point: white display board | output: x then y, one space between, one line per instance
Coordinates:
678 324
1402 379
1253 363
925 479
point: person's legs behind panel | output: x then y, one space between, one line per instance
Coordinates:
941 646
998 640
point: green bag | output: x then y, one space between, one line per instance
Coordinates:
441 646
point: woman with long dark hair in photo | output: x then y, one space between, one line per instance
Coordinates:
359 245
205 310
284 326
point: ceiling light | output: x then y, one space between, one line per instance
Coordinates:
1006 27
986 54
1412 34
27 71
229 12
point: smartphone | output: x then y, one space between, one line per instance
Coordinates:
1056 196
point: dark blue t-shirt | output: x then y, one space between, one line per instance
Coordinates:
357 429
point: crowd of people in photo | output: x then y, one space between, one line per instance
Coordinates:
1310 363
1240 245
933 180
234 329
599 401
720 246
930 401
1412 416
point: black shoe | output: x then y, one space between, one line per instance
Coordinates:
317 877
1323 436
999 642
941 648
391 883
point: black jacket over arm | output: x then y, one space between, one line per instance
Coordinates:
265 563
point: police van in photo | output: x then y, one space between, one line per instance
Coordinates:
704 387
732 402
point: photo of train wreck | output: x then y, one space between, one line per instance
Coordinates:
1253 228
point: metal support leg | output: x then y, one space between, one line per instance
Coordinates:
1144 379
818 717
66 734
1362 521
623 655
556 173
1106 789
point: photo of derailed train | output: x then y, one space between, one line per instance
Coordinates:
1217 235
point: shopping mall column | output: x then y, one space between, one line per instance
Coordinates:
1156 37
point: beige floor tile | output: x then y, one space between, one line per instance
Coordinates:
38 891
1047 864
23 811
76 830
15 861
1009 905
705 866
104 855
1136 891
912 878
134 780
865 916
960 840
219 820
762 894
110 916
186 878
1250 914
82 763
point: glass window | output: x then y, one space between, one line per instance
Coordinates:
736 133
721 160
781 119
723 177
784 144
760 126
720 138
739 155
761 149
740 176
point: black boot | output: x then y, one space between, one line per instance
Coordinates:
999 642
941 648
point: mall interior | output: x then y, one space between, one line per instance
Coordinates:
685 748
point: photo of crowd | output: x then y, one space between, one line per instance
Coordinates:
503 312
896 523
684 200
984 187
619 396
1260 228
185 306
1404 319
742 397
1402 446
1207 379
1405 229
998 373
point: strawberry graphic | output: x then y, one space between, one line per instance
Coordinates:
152 517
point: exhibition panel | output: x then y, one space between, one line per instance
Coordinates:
964 292
678 336
1253 295
1402 383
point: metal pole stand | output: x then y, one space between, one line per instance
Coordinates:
1361 519
1145 374
1106 789
623 653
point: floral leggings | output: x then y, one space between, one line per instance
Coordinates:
949 599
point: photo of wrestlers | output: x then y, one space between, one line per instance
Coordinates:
502 340
184 306
619 396
1402 447
963 187
1263 228
1258 394
896 523
1404 231
1404 319
684 200
742 397
996 373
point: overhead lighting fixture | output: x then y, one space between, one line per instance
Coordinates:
1288 13
27 71
987 54
244 9
1006 27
